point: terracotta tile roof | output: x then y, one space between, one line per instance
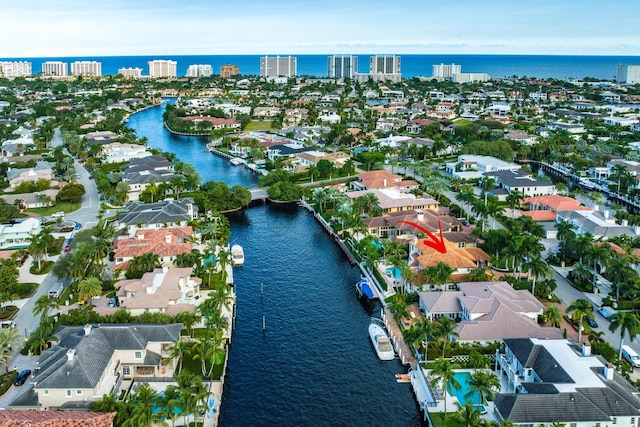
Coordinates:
162 242
379 179
543 215
55 419
455 257
556 203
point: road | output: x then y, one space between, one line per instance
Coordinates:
565 291
26 322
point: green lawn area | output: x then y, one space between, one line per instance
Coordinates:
437 420
27 289
258 125
65 207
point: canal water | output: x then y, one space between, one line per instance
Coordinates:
313 364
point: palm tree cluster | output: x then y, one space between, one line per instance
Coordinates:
145 407
424 331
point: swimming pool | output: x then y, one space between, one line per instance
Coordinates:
394 272
461 394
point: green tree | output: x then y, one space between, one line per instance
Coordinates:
445 329
484 383
580 309
552 315
467 415
43 305
442 373
9 338
538 269
89 288
626 322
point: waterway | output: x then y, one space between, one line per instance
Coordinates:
314 363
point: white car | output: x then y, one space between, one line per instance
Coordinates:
57 215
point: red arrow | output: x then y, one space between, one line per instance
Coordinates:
437 243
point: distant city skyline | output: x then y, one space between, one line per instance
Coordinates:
145 27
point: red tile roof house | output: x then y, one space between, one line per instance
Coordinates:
382 179
23 418
167 243
216 123
490 311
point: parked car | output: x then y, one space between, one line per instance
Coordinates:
57 215
67 248
22 377
591 322
78 226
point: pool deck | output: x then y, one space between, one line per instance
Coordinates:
452 400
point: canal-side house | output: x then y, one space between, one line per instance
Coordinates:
558 381
394 224
140 172
379 179
14 236
488 311
117 152
391 200
462 257
146 216
473 167
88 362
522 182
167 243
164 290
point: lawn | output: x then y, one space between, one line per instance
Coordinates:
27 289
258 125
65 207
436 419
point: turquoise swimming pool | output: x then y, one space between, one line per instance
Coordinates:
461 394
394 272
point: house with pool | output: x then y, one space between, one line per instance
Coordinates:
88 362
557 381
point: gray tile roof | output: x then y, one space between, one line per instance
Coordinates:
94 351
157 213
541 408
538 358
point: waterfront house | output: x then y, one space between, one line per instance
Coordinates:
557 381
521 181
140 172
164 290
100 137
545 208
474 167
379 179
462 257
167 243
85 363
599 224
215 122
392 200
392 225
489 311
14 236
117 152
167 213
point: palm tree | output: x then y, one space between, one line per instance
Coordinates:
539 269
442 372
484 383
422 331
89 288
466 415
598 253
9 337
43 305
144 415
552 315
169 402
398 307
627 322
466 195
580 309
618 270
514 198
203 351
177 351
494 209
581 244
37 248
486 184
565 234
445 329
481 210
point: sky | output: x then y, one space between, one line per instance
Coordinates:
46 28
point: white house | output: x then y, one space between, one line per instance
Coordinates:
471 166
13 236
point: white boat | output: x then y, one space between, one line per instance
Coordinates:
237 161
380 340
237 254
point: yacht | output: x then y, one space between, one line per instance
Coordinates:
237 254
380 340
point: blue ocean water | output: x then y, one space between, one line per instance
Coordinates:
542 66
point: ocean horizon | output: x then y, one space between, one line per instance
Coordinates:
497 66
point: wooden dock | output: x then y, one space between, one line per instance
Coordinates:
402 349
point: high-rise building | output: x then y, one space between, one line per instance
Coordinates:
229 70
446 71
628 74
86 68
11 69
130 72
55 68
163 68
384 64
278 66
199 70
342 66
